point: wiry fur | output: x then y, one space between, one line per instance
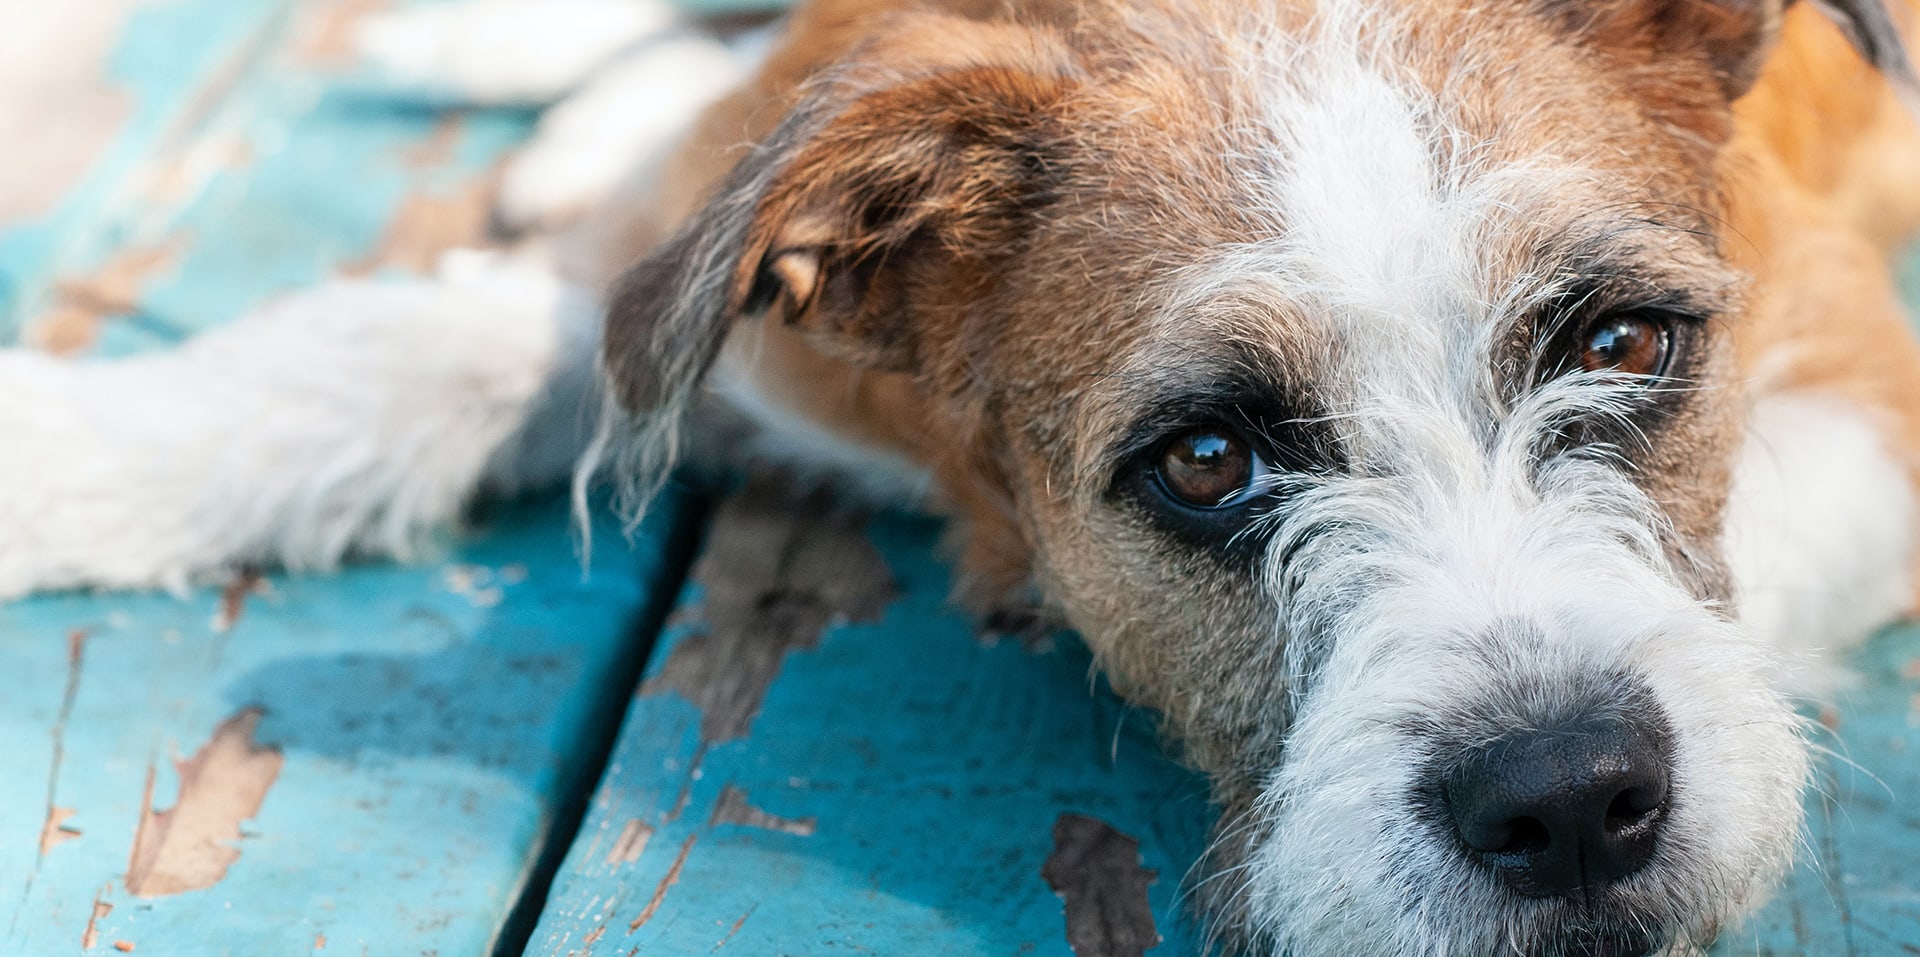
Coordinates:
998 248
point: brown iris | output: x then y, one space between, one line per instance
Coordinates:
1206 467
1633 344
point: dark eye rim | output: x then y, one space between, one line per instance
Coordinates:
1260 466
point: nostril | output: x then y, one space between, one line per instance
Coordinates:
1517 835
1634 805
1525 835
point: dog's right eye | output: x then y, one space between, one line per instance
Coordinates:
1210 467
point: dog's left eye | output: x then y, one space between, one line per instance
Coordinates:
1211 467
1632 343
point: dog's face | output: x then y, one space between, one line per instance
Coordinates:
1357 380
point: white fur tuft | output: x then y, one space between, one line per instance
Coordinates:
506 52
1820 531
621 123
355 417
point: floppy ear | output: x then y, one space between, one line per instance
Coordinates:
868 217
1724 43
1869 25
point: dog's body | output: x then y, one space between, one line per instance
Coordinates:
1444 414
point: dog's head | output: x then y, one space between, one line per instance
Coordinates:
1353 375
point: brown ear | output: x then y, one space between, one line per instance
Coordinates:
1720 45
1869 25
865 219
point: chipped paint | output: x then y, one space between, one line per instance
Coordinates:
475 583
326 36
190 846
1098 874
91 936
734 931
734 808
431 222
437 148
631 843
55 831
82 303
233 599
660 891
123 946
770 585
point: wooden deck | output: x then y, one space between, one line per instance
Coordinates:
759 730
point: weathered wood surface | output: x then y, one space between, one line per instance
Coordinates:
825 758
368 763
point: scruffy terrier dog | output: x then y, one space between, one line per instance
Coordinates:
1460 420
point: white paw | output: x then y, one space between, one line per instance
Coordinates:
623 119
505 52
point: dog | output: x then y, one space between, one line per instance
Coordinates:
1468 425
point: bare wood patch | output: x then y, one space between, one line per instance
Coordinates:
233 599
774 575
91 936
631 843
81 304
428 224
1097 872
438 148
190 846
55 831
734 808
734 931
326 39
660 890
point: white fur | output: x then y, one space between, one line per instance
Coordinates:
353 417
620 123
505 52
1820 529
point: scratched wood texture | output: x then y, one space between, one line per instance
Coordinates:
378 762
825 758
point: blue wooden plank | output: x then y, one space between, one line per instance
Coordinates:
425 724
388 751
895 790
1858 893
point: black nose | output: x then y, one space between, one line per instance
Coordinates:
1556 810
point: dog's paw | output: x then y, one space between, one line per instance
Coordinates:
505 52
625 119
